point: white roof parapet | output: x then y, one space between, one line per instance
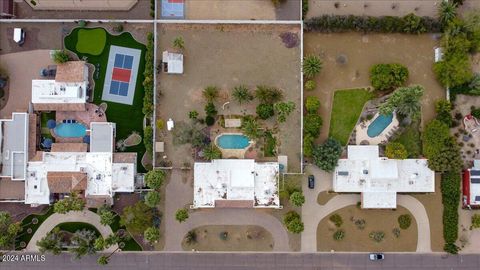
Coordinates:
174 62
379 179
102 137
14 146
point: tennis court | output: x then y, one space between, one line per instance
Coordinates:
173 9
121 75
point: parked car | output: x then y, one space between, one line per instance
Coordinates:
311 182
376 256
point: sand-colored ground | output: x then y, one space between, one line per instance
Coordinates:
433 204
468 238
363 51
469 148
239 238
358 240
228 56
22 67
324 197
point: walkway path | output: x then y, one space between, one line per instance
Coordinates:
179 194
85 216
313 213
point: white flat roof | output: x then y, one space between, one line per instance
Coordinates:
174 62
104 177
382 200
14 146
102 137
50 91
236 179
385 177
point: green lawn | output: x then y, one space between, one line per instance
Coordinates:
44 117
72 227
130 245
410 138
270 145
91 41
347 106
27 223
127 117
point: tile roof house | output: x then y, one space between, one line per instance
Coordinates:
67 182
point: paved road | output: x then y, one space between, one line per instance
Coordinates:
253 261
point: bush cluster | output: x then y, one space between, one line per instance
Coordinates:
148 81
450 185
404 221
312 123
388 76
409 24
293 222
336 219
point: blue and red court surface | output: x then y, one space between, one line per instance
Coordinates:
173 9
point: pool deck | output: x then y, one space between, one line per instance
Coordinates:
382 138
231 153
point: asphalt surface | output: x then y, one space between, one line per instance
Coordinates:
263 261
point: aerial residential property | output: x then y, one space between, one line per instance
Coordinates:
239 134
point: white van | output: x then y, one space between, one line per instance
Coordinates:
19 36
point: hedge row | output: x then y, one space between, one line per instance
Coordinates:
450 186
409 24
148 82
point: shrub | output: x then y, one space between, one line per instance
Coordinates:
308 141
60 57
396 150
265 111
312 123
297 199
312 65
404 221
336 219
82 23
137 218
191 237
443 108
148 139
450 187
178 43
388 76
377 236
360 224
268 95
193 114
152 199
118 28
181 215
310 85
326 155
209 120
283 110
293 222
210 109
312 104
396 232
339 235
476 221
433 138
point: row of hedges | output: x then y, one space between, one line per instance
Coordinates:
409 24
148 106
312 123
450 198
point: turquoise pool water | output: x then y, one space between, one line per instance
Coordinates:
379 124
233 141
67 130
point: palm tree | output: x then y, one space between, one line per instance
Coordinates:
311 66
268 95
212 152
447 12
210 93
52 242
242 94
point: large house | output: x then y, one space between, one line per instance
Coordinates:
236 183
471 186
379 179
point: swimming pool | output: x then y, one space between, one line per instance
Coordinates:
233 141
379 124
67 130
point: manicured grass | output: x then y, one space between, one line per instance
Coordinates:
27 223
91 41
72 227
410 138
44 117
130 245
127 117
347 106
270 145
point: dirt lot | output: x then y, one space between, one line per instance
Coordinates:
237 238
433 204
227 56
358 240
363 51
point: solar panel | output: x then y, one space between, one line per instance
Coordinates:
477 198
475 180
342 173
475 172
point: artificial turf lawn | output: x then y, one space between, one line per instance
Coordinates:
44 117
127 117
27 223
91 41
347 106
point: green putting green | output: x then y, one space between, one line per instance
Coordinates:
91 41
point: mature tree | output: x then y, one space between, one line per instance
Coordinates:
312 65
242 94
293 222
447 12
83 242
405 101
448 158
72 203
326 155
268 95
433 138
388 76
210 109
454 70
137 218
8 230
443 108
297 198
179 43
212 152
107 217
250 127
191 133
152 198
210 93
60 57
181 215
283 110
154 179
265 110
152 235
312 123
52 242
396 150
312 104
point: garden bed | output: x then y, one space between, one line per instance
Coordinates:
27 223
